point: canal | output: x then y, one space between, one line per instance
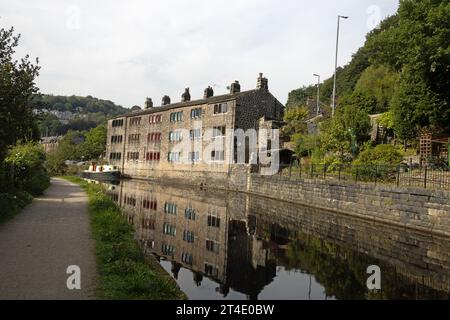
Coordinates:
221 245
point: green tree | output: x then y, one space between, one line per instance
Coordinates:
295 120
17 86
26 163
378 83
95 143
383 154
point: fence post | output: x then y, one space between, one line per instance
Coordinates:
425 178
398 176
299 169
324 172
340 168
376 174
356 176
312 170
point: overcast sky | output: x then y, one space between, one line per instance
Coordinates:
125 51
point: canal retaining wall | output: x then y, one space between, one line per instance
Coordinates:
420 209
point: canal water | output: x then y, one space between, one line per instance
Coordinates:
221 245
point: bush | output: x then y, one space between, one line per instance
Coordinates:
383 154
25 163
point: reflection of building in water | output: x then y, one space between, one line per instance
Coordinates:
238 241
198 233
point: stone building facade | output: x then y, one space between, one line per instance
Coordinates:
190 136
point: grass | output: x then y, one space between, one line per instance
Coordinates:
12 204
124 271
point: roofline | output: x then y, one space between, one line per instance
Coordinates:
213 99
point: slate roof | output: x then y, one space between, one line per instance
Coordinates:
213 99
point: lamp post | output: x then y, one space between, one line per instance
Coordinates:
318 92
333 102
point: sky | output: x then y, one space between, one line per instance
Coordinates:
125 51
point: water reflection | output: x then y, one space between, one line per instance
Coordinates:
220 245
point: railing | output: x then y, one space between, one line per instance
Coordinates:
401 176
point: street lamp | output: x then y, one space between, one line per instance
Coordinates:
333 108
318 91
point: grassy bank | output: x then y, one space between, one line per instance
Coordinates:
124 271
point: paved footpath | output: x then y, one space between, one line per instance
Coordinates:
38 245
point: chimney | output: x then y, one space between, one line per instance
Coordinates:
235 87
186 96
165 100
148 103
209 92
262 83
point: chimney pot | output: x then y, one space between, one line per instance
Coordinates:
165 100
235 87
209 92
186 96
262 82
148 103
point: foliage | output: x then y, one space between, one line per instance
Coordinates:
416 45
383 154
378 83
304 144
298 97
125 273
94 144
386 120
26 163
295 120
350 126
17 86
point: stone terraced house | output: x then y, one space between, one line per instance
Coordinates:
146 143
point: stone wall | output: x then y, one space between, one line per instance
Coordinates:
419 209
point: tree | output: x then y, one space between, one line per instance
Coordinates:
383 154
377 83
295 120
17 86
349 128
416 45
95 143
299 96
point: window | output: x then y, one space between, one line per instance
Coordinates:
196 113
195 134
135 121
154 137
213 221
188 236
134 138
116 139
174 157
176 116
217 155
169 229
194 156
212 246
149 204
129 200
157 118
175 136
187 258
220 108
115 156
152 156
170 208
168 249
189 213
148 224
132 156
117 123
219 131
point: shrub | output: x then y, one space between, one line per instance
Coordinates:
26 164
383 154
